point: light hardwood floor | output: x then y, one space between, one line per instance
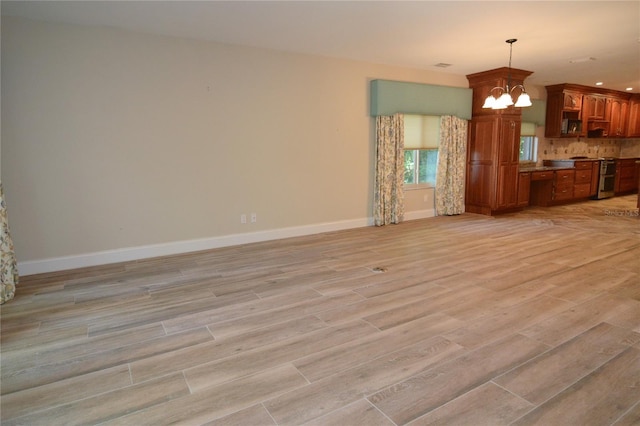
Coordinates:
526 318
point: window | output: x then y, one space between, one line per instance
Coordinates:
421 136
528 143
420 166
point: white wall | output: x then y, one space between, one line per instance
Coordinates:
119 145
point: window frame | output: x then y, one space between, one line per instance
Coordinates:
415 184
531 150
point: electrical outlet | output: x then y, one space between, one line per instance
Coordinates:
254 218
243 218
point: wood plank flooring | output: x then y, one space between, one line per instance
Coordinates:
530 318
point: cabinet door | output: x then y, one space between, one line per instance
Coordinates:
617 115
625 175
572 100
553 121
481 169
509 141
524 189
633 126
508 150
593 107
507 186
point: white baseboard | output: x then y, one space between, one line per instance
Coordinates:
32 267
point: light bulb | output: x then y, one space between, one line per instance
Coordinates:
489 102
523 100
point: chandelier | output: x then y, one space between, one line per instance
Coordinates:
502 97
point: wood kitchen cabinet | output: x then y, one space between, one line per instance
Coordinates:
626 180
493 150
617 114
633 123
524 188
563 185
585 183
541 189
574 110
594 107
571 100
579 180
493 164
564 112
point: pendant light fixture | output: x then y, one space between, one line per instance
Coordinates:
501 97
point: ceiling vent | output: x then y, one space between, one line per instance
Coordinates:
442 65
579 60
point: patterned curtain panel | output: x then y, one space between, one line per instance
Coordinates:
388 198
8 265
452 156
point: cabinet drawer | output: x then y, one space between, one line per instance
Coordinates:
582 191
583 165
625 162
583 176
563 193
541 175
565 176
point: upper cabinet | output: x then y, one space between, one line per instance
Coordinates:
594 107
633 124
564 112
572 100
617 115
581 111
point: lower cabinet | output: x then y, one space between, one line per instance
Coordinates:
626 177
586 180
541 188
570 180
524 188
563 185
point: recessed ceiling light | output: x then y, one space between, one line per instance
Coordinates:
599 83
629 88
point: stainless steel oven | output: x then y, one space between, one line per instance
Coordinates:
607 178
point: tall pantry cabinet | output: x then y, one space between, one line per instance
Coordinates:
494 145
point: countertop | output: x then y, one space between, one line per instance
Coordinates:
569 164
542 168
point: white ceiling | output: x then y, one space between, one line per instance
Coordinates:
470 35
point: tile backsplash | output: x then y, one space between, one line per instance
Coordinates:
630 148
555 149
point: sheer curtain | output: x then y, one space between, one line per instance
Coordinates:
452 155
388 199
8 265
